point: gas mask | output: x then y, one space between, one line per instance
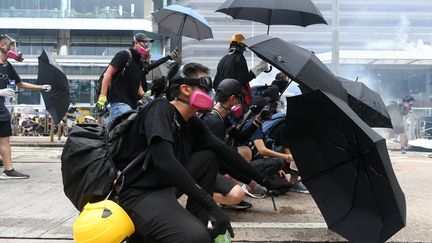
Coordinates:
237 111
201 100
17 56
144 50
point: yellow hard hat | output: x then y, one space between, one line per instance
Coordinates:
104 221
237 38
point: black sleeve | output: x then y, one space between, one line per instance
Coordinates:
120 59
162 151
147 67
13 75
158 121
236 162
243 72
243 136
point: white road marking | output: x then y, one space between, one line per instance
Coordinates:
278 225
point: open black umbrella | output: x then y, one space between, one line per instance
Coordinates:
298 63
183 21
49 72
367 104
274 12
346 168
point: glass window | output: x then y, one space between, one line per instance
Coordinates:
81 91
29 97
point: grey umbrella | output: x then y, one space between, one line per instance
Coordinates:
298 63
182 21
274 12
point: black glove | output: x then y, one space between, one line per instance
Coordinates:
221 222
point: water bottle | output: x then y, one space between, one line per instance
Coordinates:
225 238
11 85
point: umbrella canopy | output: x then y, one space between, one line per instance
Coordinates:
183 21
346 168
298 63
56 101
274 12
367 104
159 71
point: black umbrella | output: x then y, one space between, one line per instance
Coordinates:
367 104
49 72
346 168
298 63
274 12
183 21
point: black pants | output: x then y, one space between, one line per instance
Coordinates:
158 217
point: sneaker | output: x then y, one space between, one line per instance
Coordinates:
243 205
1 162
12 174
299 187
248 191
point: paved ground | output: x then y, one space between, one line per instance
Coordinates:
36 210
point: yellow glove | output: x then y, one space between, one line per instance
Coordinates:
101 104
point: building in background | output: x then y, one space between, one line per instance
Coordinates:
386 44
82 35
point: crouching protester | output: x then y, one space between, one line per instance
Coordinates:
182 159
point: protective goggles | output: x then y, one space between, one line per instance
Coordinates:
204 82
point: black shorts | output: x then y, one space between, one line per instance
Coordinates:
5 129
223 184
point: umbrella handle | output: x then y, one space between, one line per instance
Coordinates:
271 67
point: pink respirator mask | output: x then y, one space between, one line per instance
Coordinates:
17 56
237 111
201 101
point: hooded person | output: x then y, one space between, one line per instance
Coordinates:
124 80
234 65
8 75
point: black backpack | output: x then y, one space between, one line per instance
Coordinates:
98 84
88 170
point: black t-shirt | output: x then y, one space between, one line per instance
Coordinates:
7 73
124 89
234 66
216 124
159 120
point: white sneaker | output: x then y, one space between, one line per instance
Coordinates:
246 189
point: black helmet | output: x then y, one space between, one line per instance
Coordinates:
141 37
228 87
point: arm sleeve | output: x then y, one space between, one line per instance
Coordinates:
243 136
14 75
162 151
147 67
120 59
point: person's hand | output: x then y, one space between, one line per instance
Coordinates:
221 224
46 88
7 92
261 67
101 104
282 174
174 54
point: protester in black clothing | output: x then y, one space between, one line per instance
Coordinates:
7 75
234 65
182 155
124 82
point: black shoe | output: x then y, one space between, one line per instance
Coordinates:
243 205
1 162
12 174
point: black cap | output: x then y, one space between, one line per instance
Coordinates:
228 87
259 102
141 37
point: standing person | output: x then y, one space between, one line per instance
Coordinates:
124 82
234 65
8 49
398 113
182 157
